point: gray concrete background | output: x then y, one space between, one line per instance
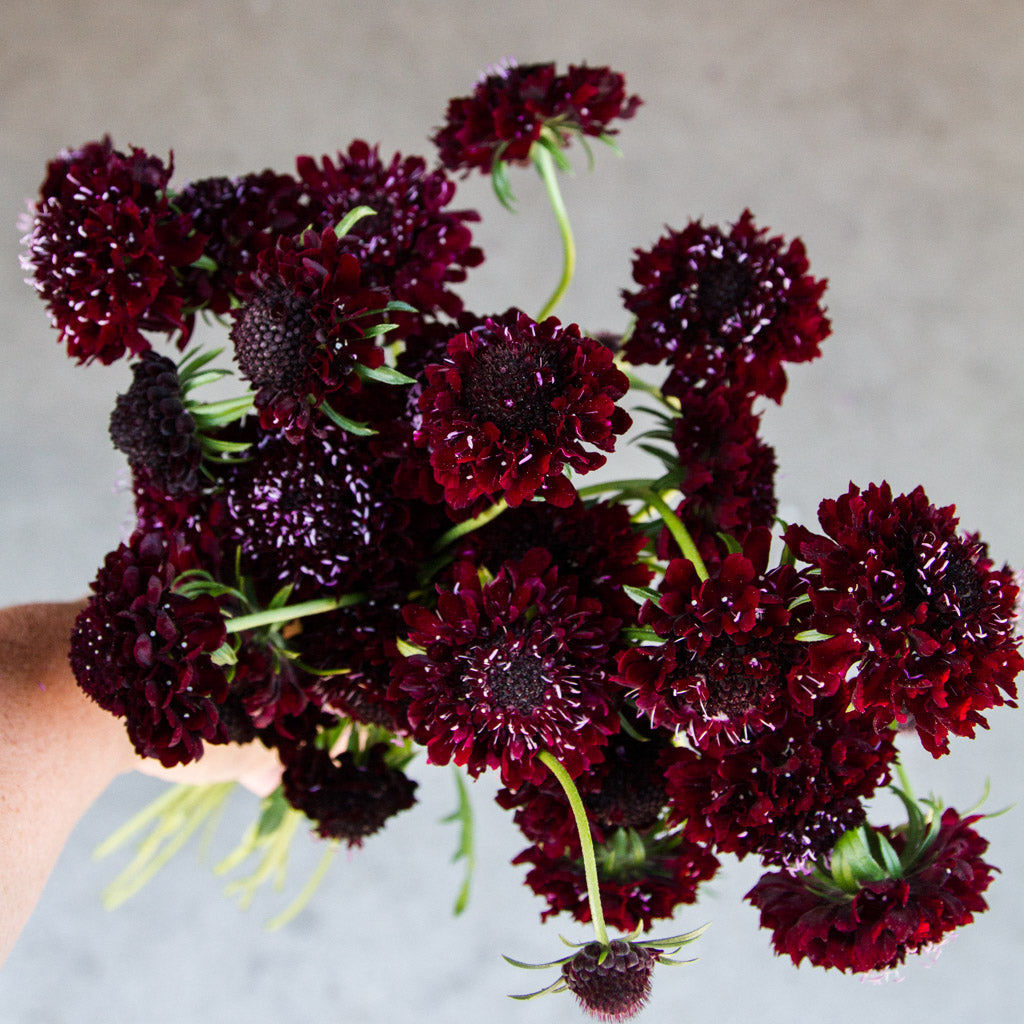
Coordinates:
890 136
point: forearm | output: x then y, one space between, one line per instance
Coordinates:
58 752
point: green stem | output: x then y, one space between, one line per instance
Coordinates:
640 486
586 843
545 164
471 524
270 616
679 532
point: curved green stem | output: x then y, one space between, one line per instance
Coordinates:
679 532
461 529
545 164
286 613
586 843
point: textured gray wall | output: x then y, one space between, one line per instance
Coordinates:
890 136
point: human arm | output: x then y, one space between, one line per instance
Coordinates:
59 751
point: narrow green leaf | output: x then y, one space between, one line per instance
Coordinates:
383 374
356 214
643 594
353 427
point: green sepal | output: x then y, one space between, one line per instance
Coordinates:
851 862
225 655
499 180
558 985
397 306
732 545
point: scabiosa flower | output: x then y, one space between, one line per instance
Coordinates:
513 103
349 797
301 333
642 877
597 543
104 247
732 664
934 619
872 923
241 217
510 668
411 244
790 792
151 425
611 983
728 482
143 652
725 308
318 514
512 406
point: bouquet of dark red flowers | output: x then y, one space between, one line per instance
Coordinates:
383 546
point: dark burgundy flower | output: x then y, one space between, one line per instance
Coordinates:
510 668
790 792
301 333
875 926
142 651
513 103
348 797
411 245
352 651
934 619
642 877
725 308
151 425
512 407
241 217
597 543
318 514
104 248
728 472
611 983
732 665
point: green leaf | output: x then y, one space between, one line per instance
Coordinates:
466 850
643 594
272 813
810 636
351 426
383 374
356 214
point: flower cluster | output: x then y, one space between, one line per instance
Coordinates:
384 545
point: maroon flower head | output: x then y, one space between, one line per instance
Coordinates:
104 248
510 668
319 514
143 652
875 927
611 983
731 665
725 308
729 471
301 333
411 245
933 618
789 793
513 103
513 405
240 217
348 797
151 425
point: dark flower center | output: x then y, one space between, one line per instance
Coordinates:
962 577
722 288
513 389
271 336
519 683
734 687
